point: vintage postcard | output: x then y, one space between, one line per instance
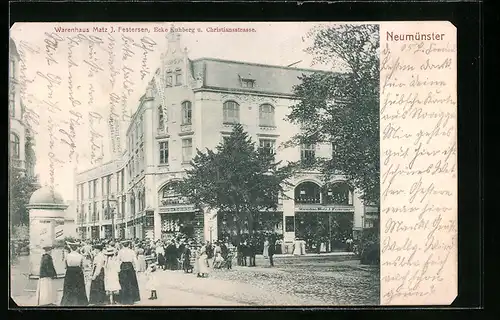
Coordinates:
233 164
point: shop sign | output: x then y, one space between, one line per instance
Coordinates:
320 208
179 208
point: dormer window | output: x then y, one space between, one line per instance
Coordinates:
178 77
247 83
168 79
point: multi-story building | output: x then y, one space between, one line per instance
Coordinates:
202 99
21 141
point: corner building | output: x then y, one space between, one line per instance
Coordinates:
21 137
202 100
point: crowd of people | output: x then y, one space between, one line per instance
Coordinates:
110 268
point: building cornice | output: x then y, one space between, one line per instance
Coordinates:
261 65
246 92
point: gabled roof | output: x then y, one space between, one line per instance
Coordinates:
226 74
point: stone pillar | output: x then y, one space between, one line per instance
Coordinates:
157 225
46 212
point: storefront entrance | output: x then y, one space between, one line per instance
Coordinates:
265 224
328 228
185 224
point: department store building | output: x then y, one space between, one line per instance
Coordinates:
204 98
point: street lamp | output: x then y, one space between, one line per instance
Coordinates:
112 212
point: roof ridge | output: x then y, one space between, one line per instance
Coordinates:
260 64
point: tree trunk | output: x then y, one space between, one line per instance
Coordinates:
238 227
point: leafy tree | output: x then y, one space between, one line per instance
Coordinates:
342 109
236 179
21 187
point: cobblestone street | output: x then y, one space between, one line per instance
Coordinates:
316 281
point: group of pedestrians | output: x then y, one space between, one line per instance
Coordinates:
113 276
248 249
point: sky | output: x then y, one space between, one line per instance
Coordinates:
71 81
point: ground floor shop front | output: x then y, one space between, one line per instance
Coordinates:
322 231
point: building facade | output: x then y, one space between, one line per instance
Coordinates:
196 106
21 141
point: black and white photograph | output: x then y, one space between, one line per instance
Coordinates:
194 164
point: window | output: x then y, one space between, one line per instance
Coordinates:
178 78
267 145
266 115
137 162
124 199
132 204
141 127
90 190
161 119
231 112
308 192
95 187
122 176
12 101
164 152
186 112
12 68
169 80
15 145
187 149
143 163
307 154
108 184
170 195
247 83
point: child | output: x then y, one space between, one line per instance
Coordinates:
151 280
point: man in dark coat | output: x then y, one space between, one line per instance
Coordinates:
252 251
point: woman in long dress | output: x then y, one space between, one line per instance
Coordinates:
111 275
128 279
97 294
265 252
46 292
74 293
141 260
202 262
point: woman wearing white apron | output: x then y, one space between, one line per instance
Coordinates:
265 252
202 262
111 279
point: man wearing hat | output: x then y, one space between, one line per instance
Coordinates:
46 292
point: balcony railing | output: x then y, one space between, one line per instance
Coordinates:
186 128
